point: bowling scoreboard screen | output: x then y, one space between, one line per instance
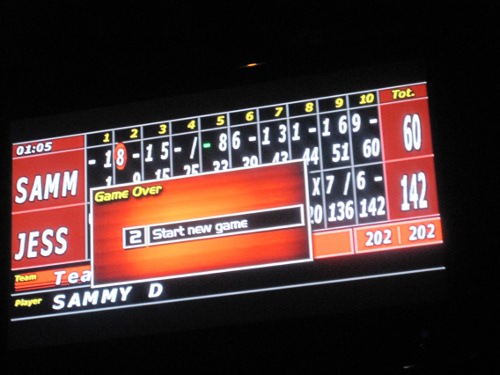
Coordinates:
196 215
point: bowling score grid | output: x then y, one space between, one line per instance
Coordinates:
169 211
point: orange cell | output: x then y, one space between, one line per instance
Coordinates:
329 244
378 237
421 232
404 234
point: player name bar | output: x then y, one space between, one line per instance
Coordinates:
227 225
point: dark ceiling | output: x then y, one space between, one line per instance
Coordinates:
61 56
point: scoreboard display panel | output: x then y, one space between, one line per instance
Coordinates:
283 192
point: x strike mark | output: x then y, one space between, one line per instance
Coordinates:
136 192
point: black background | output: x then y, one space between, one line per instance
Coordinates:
61 56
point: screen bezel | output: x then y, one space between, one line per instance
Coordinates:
368 294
